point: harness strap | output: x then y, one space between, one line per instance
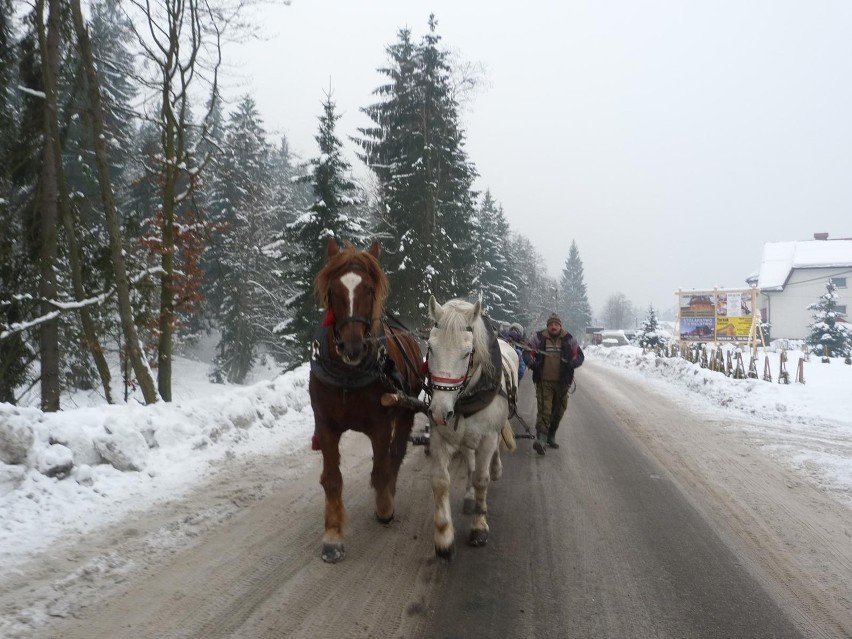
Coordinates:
408 363
332 373
511 392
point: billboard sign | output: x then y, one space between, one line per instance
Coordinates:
718 315
734 315
698 317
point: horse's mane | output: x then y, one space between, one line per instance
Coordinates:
454 322
347 259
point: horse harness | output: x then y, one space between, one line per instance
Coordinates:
377 365
472 399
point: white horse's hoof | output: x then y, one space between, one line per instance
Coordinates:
469 506
445 554
332 553
478 537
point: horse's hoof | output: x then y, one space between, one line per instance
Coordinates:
385 520
445 555
332 553
478 537
469 506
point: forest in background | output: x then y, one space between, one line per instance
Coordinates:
139 210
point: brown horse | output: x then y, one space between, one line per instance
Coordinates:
356 358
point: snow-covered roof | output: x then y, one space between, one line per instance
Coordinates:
779 258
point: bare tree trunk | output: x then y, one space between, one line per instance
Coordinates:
167 303
96 113
49 331
64 208
180 33
86 319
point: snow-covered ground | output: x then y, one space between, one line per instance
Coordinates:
807 426
65 474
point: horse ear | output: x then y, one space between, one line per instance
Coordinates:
435 309
331 248
477 310
374 249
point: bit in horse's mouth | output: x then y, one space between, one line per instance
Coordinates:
349 361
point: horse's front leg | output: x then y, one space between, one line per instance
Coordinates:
380 477
468 507
444 533
481 479
332 482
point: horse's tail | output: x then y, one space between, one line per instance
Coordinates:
507 435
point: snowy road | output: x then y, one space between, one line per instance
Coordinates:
640 500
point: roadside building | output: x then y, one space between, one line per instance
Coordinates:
792 275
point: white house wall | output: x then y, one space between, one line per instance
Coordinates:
788 311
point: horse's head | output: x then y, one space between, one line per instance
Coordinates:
457 343
353 288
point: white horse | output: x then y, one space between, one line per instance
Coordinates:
469 410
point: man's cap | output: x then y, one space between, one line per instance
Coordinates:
554 319
517 327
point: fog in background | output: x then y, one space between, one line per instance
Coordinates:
669 139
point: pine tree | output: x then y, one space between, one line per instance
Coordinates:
573 298
16 274
449 176
241 209
650 335
827 337
416 149
333 214
496 278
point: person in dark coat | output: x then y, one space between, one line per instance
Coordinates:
553 356
514 334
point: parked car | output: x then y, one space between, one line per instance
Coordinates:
614 338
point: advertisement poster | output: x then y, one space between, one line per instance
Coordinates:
697 317
697 305
697 329
733 316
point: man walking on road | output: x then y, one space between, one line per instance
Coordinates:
554 354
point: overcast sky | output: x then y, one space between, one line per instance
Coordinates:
670 139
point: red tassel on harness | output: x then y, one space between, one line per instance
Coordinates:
327 321
424 368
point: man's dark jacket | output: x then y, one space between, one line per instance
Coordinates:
571 355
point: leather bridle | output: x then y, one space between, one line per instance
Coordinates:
434 382
367 321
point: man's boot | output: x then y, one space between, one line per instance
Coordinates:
539 443
551 437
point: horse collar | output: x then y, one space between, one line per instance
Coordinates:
333 373
476 397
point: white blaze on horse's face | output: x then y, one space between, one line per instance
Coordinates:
351 282
352 306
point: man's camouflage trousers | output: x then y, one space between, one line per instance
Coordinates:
552 402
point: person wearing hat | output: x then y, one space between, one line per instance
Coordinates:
514 334
554 354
